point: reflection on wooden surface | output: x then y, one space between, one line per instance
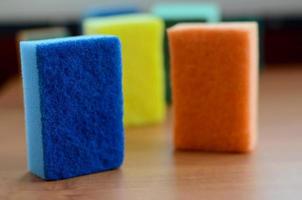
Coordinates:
153 170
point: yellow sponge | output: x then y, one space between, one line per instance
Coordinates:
141 36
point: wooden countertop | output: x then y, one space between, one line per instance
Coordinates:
152 170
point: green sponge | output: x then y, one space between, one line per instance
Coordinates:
173 13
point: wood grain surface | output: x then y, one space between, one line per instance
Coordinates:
153 170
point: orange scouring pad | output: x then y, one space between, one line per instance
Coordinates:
215 80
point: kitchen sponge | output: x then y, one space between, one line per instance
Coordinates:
141 36
73 105
214 79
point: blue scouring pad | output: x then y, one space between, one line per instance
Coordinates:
73 105
110 11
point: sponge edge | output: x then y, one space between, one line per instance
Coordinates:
77 128
35 159
220 114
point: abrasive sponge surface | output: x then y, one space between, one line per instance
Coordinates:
214 79
80 104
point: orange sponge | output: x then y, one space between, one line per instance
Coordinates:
214 79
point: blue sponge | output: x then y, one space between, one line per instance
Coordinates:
108 11
73 105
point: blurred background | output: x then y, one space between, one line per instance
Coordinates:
280 26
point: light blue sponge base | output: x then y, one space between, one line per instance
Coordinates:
31 90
